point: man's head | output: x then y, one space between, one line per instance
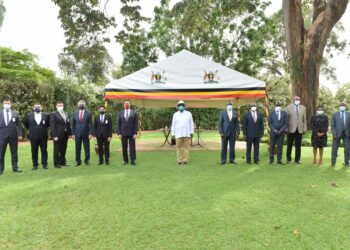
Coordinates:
252 106
126 105
278 106
181 106
81 104
102 109
7 103
59 106
320 110
229 106
296 100
37 107
342 106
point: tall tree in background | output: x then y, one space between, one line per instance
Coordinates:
138 48
306 46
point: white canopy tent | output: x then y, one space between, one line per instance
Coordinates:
201 83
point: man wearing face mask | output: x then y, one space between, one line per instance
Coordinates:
60 132
127 128
10 132
253 130
82 132
278 122
297 126
182 129
103 134
340 125
38 122
229 132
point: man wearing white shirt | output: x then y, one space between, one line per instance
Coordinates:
182 129
37 123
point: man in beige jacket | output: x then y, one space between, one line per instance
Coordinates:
297 126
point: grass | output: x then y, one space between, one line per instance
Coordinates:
160 205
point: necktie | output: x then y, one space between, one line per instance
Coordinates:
101 119
297 110
254 116
127 115
7 117
343 121
63 116
81 117
230 115
279 115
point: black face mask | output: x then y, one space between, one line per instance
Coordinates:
102 112
37 110
81 107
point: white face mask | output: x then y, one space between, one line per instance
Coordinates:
253 109
342 108
319 112
7 106
59 109
278 109
229 107
297 103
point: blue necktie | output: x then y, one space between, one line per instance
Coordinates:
7 117
343 121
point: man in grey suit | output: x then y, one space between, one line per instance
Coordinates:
278 122
10 132
341 131
229 131
297 126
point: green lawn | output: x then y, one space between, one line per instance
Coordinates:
160 205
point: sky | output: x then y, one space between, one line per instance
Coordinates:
34 25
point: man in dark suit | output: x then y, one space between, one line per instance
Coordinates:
127 127
229 131
61 131
253 130
82 132
38 122
278 123
10 132
103 134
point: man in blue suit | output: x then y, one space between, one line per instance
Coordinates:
253 130
82 132
278 122
229 131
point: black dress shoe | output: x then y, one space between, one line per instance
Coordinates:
179 163
65 165
133 163
223 163
271 162
125 163
78 164
248 162
17 170
57 166
185 163
346 164
233 162
333 165
100 163
34 168
87 163
298 162
280 163
288 162
107 163
45 167
1 172
256 162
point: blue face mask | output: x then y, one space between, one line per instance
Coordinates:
181 108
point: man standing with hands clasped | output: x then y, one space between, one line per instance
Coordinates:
229 131
103 134
82 132
182 129
10 132
297 126
127 128
341 131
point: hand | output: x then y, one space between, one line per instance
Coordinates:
319 134
73 137
134 137
20 137
109 138
90 136
119 136
276 131
222 135
237 136
55 138
335 137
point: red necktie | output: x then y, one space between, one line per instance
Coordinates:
81 116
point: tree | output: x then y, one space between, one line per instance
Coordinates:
2 12
343 94
306 45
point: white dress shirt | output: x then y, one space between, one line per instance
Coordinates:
37 117
5 116
229 112
102 118
126 114
182 125
254 115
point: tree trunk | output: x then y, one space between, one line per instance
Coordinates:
305 47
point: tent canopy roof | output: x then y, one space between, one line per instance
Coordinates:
187 76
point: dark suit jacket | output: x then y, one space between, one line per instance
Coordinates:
84 128
37 131
253 129
227 127
279 125
14 129
127 127
59 128
103 130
